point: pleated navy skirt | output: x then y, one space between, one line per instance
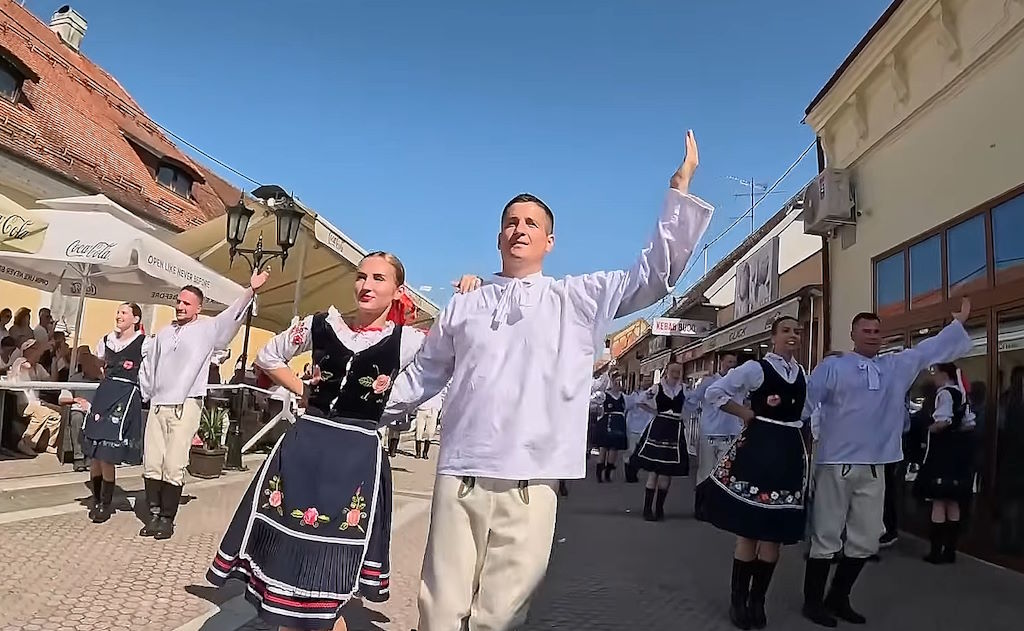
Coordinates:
112 429
758 489
947 472
662 448
314 527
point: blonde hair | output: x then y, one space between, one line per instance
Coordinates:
393 261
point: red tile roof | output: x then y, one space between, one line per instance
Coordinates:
77 122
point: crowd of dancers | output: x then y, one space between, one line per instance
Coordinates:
513 355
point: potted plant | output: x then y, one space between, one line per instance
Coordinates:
206 459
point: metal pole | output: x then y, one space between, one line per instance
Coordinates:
233 461
752 205
298 280
705 260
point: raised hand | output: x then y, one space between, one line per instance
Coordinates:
684 174
965 310
258 278
466 284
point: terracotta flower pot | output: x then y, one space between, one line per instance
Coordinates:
206 463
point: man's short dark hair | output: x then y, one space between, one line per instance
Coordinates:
198 293
8 342
523 198
865 315
722 354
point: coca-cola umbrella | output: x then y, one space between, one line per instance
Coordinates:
94 254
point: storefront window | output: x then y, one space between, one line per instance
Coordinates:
966 260
926 272
1009 470
1007 228
890 286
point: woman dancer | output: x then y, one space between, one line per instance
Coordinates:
314 526
946 475
756 491
610 429
661 450
112 432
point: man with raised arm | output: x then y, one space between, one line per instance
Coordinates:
519 353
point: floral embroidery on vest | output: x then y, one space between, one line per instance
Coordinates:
311 517
375 385
356 512
274 495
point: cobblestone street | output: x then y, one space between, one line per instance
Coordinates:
609 570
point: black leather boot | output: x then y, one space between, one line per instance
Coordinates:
739 593
935 537
608 470
838 599
659 504
426 448
815 577
563 488
949 541
106 503
599 471
630 472
763 571
153 491
419 449
170 498
96 485
648 502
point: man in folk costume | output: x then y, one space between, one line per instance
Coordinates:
175 368
717 428
519 353
861 397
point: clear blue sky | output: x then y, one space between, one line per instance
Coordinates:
410 124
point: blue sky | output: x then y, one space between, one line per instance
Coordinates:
410 124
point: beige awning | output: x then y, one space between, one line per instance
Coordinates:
319 273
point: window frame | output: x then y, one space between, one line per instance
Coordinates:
179 173
942 231
18 76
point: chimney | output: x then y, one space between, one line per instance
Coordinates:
69 25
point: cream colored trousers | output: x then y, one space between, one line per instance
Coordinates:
847 499
487 551
41 419
168 440
426 424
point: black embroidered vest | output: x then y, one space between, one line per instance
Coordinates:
665 403
353 385
123 364
614 406
777 399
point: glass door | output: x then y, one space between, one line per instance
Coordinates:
1006 442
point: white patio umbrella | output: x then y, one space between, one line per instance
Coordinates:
94 254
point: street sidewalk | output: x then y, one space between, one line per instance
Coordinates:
612 570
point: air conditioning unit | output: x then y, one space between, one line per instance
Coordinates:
829 202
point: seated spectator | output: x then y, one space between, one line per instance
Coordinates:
21 328
44 331
43 419
8 353
90 370
5 320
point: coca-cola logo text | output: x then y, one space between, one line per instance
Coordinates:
15 227
99 251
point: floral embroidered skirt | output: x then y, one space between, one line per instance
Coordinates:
947 472
610 432
112 429
314 527
662 448
758 489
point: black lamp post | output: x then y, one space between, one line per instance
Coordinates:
289 219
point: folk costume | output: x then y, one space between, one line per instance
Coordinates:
519 353
861 418
314 527
947 473
758 489
112 426
609 433
718 429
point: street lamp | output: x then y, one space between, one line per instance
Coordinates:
288 214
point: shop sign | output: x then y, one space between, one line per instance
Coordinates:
755 326
680 327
